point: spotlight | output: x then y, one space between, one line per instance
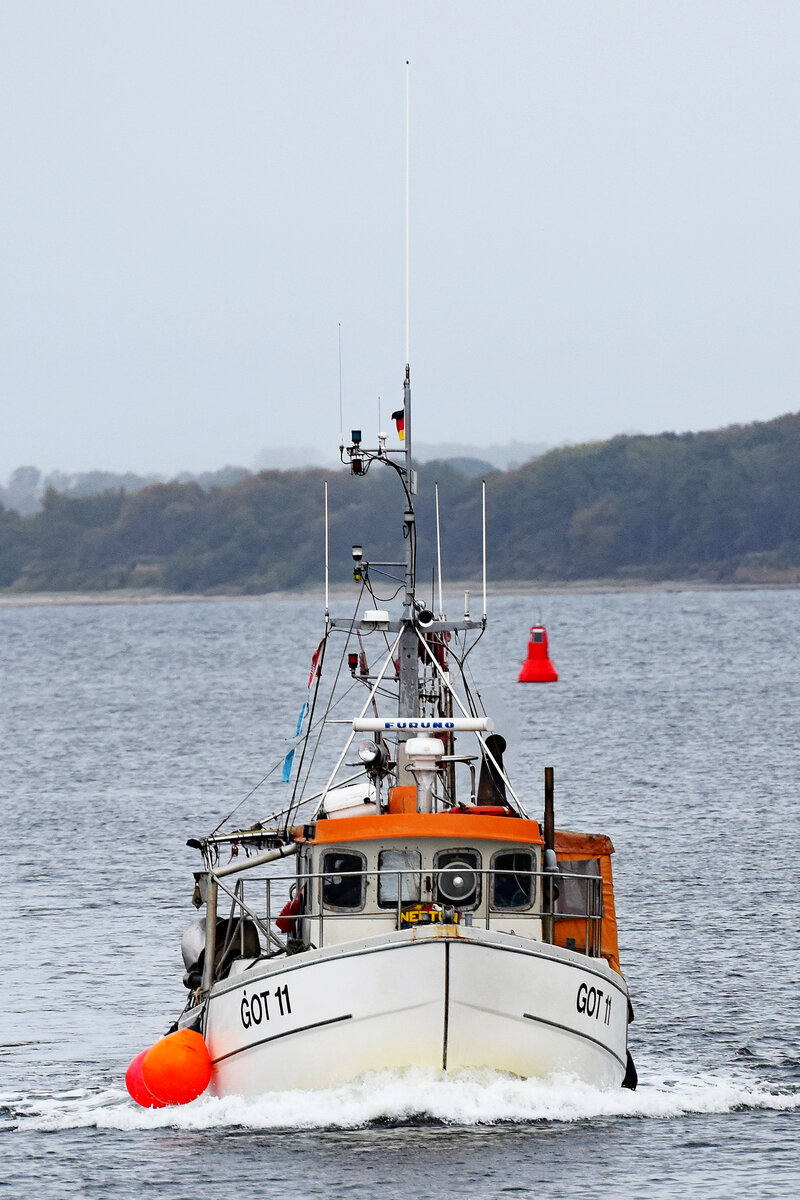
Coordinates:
374 758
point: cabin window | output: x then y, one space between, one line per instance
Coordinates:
512 885
341 888
537 635
458 881
579 897
408 884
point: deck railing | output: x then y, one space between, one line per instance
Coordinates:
260 900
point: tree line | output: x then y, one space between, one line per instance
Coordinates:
708 504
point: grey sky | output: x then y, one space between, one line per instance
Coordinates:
604 228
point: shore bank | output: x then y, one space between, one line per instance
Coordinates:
345 592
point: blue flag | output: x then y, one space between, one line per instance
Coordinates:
300 719
287 766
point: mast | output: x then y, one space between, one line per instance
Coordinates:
408 682
409 519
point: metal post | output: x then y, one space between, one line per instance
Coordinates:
211 933
408 682
240 887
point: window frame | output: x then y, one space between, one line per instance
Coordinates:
512 908
341 908
388 905
477 867
586 877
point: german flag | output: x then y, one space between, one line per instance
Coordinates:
399 419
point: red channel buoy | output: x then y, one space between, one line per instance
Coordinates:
175 1070
537 667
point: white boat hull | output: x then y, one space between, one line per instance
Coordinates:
446 997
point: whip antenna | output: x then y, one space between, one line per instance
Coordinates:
483 513
327 558
341 418
439 553
408 206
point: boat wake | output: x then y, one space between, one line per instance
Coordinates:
408 1097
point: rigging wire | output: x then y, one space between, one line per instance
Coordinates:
318 668
312 725
384 599
279 762
252 792
330 706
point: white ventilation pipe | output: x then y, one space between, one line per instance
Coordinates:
423 754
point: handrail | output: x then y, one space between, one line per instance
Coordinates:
488 915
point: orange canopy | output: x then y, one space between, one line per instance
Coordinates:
580 847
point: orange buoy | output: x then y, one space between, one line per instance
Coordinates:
175 1070
137 1086
178 1067
537 667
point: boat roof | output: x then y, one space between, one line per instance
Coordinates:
454 824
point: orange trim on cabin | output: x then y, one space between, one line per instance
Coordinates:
469 826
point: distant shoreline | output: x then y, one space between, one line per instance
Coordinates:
341 591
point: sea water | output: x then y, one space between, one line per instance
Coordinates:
125 729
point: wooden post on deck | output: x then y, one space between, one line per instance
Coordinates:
548 924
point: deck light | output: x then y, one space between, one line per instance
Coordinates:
374 758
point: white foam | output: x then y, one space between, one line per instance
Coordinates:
471 1098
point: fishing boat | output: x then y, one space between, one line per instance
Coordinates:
426 918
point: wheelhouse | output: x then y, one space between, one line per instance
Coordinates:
391 871
363 876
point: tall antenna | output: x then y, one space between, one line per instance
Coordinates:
341 418
439 553
327 558
408 209
483 513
